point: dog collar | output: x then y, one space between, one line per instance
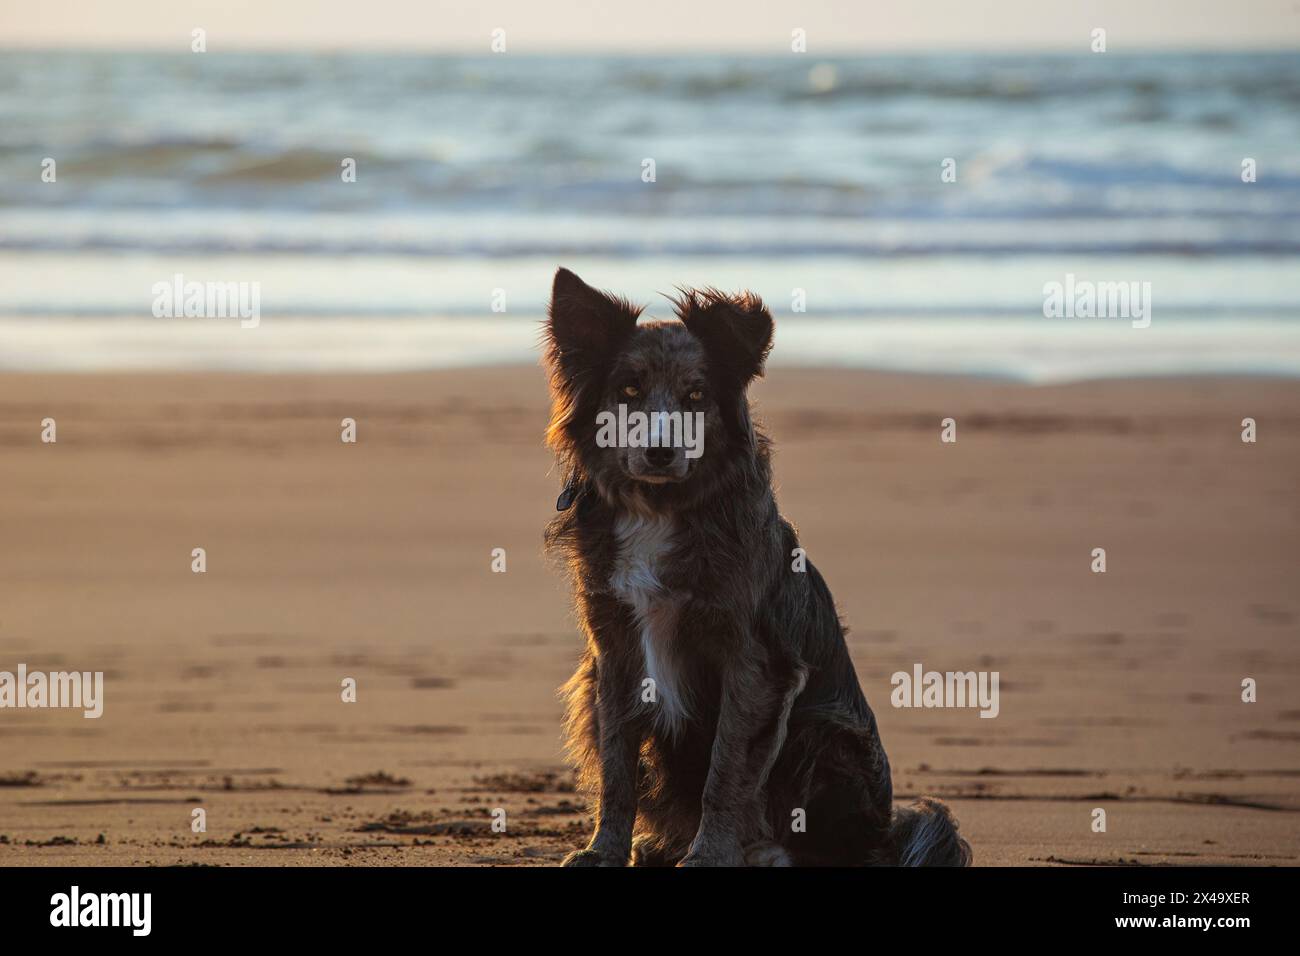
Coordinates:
572 489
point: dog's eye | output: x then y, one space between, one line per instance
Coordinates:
631 391
697 395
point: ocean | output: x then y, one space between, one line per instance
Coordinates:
818 183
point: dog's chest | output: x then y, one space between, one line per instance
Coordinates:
644 548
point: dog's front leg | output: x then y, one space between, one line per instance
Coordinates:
619 743
751 729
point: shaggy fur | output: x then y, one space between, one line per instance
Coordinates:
682 571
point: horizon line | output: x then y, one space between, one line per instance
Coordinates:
642 51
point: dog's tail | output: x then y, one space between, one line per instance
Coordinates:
925 834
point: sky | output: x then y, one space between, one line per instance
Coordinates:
659 26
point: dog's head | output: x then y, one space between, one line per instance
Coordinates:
653 413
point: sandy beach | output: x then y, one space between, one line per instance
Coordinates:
372 561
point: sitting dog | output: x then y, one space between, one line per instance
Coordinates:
715 718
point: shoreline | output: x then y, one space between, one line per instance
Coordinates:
1035 351
774 368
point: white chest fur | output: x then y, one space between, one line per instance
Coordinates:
643 547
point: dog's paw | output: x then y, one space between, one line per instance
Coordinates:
713 858
592 857
647 851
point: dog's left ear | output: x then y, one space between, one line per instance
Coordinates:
736 330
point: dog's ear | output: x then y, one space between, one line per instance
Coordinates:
585 325
736 330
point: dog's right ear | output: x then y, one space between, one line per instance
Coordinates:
585 325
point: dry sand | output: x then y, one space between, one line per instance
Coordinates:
325 560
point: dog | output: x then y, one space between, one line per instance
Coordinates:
715 718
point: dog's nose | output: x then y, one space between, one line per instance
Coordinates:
661 456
